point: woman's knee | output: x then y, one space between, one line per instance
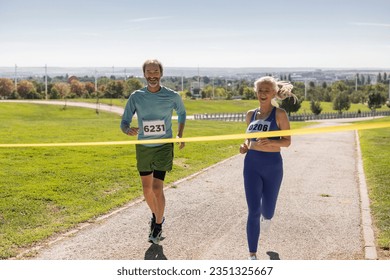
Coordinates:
254 214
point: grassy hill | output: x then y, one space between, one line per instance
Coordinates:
44 191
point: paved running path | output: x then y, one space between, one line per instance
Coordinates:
100 106
317 217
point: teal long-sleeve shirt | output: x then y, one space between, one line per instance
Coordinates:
154 113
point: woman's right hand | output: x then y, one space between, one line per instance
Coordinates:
243 148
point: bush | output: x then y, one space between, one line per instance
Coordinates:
315 107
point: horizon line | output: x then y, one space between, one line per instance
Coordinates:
210 67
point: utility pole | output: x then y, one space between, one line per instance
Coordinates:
305 88
213 87
198 78
356 80
16 78
46 81
199 83
95 81
97 94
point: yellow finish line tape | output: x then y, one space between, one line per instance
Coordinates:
301 131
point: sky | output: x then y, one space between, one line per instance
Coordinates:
202 33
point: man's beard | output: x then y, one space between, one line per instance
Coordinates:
153 82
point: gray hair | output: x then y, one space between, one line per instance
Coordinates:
152 61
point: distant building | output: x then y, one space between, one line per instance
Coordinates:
196 88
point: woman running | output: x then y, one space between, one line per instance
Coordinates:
263 165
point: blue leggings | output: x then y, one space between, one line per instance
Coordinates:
263 173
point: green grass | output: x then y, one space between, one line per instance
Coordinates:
49 190
375 146
236 106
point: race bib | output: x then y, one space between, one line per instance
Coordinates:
258 126
155 127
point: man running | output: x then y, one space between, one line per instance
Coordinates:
154 105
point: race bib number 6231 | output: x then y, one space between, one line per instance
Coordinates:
155 127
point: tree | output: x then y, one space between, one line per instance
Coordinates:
341 102
242 86
315 107
338 87
324 94
379 78
115 89
358 97
103 81
311 93
219 92
39 87
290 106
6 88
61 89
362 80
249 93
207 92
375 100
132 85
206 79
185 94
27 90
90 87
78 88
299 89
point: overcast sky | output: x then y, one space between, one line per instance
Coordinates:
202 33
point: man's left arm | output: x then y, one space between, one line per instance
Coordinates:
181 118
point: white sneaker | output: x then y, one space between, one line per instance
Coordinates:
265 224
252 258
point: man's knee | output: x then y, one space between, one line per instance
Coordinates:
157 189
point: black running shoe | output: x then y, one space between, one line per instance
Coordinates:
152 234
152 224
155 237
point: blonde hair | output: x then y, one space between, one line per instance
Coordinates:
283 89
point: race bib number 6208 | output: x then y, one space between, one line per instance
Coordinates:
155 127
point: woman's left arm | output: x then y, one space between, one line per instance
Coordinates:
284 124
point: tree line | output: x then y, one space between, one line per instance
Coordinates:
341 93
68 87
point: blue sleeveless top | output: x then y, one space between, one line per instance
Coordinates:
269 124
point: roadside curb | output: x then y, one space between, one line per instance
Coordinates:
368 233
